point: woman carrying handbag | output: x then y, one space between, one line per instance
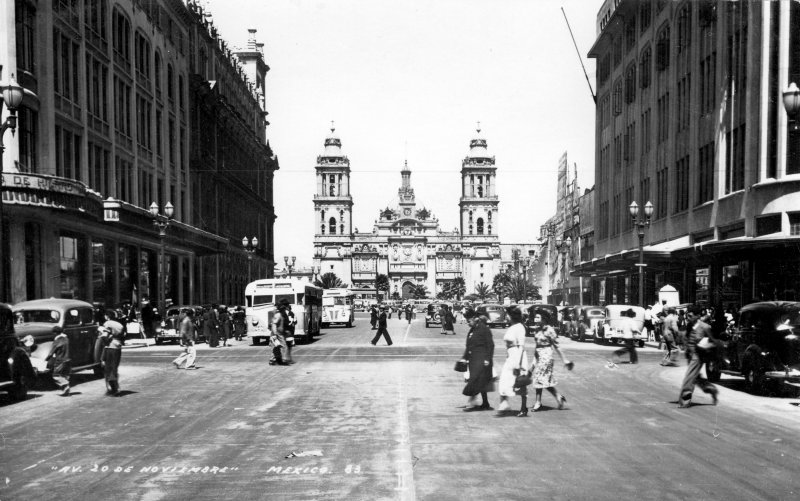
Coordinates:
478 354
546 345
515 364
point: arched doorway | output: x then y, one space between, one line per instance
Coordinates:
408 290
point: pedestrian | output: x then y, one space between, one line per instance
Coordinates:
681 340
545 345
516 361
629 332
239 323
188 331
479 354
373 316
148 317
447 321
110 359
408 312
211 326
700 346
280 324
289 338
382 331
669 333
225 324
58 360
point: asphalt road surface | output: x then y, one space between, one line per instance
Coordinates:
352 421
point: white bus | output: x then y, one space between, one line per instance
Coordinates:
305 301
337 307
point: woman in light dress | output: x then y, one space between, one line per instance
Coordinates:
545 346
515 364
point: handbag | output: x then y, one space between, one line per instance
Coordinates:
461 366
522 380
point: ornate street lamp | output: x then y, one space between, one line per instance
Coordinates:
161 222
641 221
289 262
250 246
12 94
791 101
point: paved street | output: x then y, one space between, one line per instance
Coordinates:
369 423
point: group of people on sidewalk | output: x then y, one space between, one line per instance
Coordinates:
479 355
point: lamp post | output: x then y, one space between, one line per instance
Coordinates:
641 221
289 262
563 247
250 246
161 222
791 101
12 94
549 231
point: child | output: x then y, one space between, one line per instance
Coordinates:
112 354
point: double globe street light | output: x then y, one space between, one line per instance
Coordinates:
161 223
289 262
641 221
250 247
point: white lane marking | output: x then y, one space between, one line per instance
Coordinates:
405 337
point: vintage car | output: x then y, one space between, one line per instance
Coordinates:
37 319
564 320
610 329
496 314
548 312
585 320
169 328
16 372
433 315
765 348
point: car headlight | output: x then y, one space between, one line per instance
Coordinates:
10 361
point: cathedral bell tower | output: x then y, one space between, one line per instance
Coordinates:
333 205
479 202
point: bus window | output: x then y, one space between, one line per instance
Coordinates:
260 299
288 297
300 298
327 301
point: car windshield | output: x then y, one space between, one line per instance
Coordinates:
32 316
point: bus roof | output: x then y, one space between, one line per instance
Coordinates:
337 292
277 284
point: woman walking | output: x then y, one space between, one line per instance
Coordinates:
516 362
545 345
447 321
479 354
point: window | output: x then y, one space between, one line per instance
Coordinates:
66 67
646 132
663 118
142 56
68 154
662 49
604 69
122 104
684 103
95 19
685 27
630 34
617 48
99 178
645 67
767 225
180 93
26 32
480 226
157 75
630 83
144 136
332 226
708 83
124 178
27 126
122 37
794 223
170 84
73 267
682 184
705 174
734 160
96 89
617 97
662 200
604 216
644 16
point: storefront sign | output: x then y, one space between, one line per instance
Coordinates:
52 199
44 183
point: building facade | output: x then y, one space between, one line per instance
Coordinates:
406 243
131 103
690 117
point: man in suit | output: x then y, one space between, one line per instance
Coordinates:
697 357
188 338
382 331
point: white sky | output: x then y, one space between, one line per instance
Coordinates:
409 79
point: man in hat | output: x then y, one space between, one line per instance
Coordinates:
58 360
279 328
110 359
188 339
629 332
382 331
697 357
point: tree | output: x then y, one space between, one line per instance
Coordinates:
482 291
458 288
420 291
382 284
329 281
501 285
518 288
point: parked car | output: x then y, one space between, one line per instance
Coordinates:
564 320
169 328
496 313
432 316
585 321
549 314
765 348
16 371
37 319
610 329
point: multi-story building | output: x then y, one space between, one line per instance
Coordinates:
131 103
690 117
406 243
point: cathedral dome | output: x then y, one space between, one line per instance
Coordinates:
333 145
477 146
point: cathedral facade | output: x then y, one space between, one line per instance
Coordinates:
406 243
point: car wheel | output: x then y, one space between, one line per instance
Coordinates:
349 324
754 381
641 343
23 378
159 341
